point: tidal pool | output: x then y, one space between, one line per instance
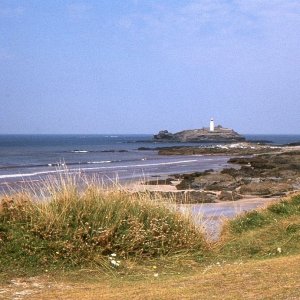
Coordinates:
211 215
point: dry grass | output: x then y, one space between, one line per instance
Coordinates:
277 278
73 228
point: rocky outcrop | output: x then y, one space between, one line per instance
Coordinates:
267 175
166 181
243 148
210 182
229 196
164 135
266 189
219 135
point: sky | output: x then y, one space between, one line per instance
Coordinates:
140 66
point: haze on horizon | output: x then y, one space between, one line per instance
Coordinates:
140 66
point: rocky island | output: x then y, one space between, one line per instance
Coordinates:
212 134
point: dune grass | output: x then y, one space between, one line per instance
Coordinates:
100 239
92 227
269 232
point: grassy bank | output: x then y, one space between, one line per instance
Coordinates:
274 231
93 228
113 243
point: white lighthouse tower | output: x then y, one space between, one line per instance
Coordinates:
212 125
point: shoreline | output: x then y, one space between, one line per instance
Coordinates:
208 215
251 181
237 160
239 180
175 166
122 173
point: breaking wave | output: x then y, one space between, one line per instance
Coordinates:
72 170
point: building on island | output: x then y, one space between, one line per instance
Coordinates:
212 125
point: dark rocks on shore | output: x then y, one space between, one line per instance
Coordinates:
209 182
146 148
292 144
188 150
266 189
271 162
188 178
166 181
194 174
184 197
242 174
229 196
257 170
263 175
239 160
244 148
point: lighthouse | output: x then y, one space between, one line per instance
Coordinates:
212 125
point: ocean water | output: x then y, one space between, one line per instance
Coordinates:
34 157
278 139
27 158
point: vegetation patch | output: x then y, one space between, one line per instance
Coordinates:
94 227
268 232
106 230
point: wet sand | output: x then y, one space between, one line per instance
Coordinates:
211 216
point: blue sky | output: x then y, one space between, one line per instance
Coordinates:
137 66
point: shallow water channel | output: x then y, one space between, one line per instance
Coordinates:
211 215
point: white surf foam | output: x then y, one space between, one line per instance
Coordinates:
96 168
140 165
80 151
99 162
29 174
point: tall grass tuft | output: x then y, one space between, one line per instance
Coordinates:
73 227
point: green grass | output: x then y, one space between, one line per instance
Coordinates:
75 229
264 233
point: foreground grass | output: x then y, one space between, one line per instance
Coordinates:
276 278
111 244
90 229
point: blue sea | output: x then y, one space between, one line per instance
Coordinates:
26 158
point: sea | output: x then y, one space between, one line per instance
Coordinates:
29 158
